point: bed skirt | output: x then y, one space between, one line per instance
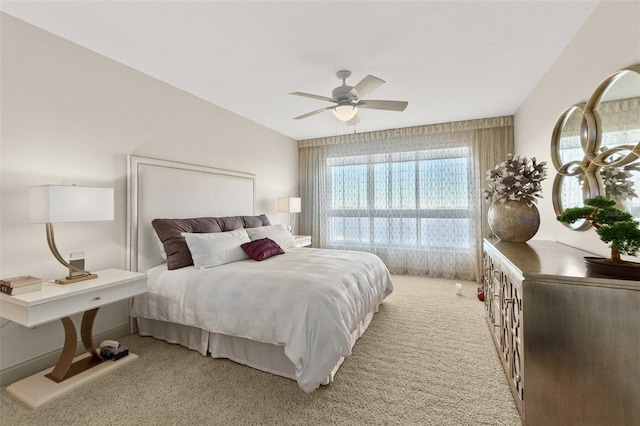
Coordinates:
262 356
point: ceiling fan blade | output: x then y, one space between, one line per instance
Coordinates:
385 105
309 114
366 86
309 95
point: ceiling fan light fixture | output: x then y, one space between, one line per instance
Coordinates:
345 112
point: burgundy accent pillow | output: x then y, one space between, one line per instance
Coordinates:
170 233
262 249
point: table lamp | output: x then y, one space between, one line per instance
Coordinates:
290 205
59 203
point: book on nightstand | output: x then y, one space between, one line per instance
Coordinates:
20 284
20 281
22 289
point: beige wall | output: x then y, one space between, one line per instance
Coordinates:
608 41
69 116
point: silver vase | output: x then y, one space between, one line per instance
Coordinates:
514 220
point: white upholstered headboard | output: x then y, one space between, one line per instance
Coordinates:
168 189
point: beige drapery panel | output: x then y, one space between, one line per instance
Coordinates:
490 147
490 141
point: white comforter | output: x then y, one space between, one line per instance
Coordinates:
307 300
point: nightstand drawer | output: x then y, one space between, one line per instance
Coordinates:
55 301
83 302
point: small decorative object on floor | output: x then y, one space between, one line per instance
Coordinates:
613 226
111 349
20 284
459 289
481 293
514 187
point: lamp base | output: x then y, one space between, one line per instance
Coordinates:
71 280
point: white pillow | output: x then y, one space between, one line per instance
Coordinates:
277 233
216 248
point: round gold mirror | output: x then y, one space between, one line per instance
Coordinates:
601 156
568 149
612 122
566 143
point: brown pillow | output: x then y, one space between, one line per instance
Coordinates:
170 233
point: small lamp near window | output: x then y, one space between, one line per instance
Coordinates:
58 203
290 205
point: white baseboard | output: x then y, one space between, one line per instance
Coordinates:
42 362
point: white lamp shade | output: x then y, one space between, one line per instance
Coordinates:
58 203
345 112
289 205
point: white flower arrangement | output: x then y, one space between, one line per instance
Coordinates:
618 182
517 178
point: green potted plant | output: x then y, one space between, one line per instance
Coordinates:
614 226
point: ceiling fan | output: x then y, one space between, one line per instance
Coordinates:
348 99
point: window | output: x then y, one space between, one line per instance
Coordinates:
418 199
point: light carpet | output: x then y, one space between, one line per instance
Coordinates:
426 359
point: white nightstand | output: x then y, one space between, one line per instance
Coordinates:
302 240
55 301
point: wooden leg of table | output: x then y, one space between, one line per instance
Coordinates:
86 330
68 351
65 367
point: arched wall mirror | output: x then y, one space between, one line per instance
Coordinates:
601 156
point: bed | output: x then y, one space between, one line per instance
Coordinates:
296 313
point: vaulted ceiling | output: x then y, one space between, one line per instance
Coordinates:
451 60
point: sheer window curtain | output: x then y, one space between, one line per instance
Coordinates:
413 196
